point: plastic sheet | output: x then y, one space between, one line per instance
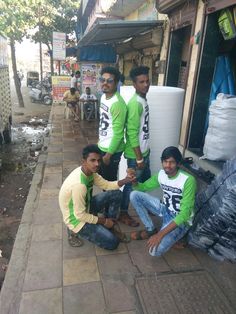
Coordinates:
214 225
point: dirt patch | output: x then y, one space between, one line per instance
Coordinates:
18 162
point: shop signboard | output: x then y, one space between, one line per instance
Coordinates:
59 46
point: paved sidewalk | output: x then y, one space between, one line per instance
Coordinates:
47 276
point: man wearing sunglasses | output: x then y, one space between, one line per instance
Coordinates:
112 123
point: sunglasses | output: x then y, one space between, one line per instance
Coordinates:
109 80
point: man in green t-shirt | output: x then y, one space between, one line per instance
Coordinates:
176 210
137 137
112 123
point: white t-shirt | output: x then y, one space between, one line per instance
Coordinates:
88 97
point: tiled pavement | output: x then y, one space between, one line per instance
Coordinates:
47 276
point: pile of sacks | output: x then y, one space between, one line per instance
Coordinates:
214 225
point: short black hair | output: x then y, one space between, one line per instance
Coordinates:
77 73
138 71
72 90
113 71
91 148
173 152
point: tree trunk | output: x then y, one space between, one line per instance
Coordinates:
16 79
51 60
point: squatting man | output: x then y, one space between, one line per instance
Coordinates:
80 209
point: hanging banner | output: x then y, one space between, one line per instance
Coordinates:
59 46
60 84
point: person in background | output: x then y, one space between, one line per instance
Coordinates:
176 210
75 81
121 82
112 123
137 148
89 103
80 209
71 97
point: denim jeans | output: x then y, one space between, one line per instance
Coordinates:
142 175
109 203
109 172
145 203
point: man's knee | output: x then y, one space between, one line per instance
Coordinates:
158 251
112 244
134 195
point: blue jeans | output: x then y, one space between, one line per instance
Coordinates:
144 203
142 175
109 203
109 172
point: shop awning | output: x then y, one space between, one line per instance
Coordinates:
114 32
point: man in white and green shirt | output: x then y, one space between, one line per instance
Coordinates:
112 123
176 210
80 210
137 137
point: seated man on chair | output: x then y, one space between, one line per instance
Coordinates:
71 97
88 101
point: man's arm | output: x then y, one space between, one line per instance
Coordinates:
118 112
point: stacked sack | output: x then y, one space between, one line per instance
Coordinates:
214 225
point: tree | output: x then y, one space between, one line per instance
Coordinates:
56 16
15 20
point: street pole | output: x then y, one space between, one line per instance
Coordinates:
40 47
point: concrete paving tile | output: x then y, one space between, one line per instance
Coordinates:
120 250
141 258
44 269
181 259
70 252
48 211
52 181
111 265
72 156
53 169
42 302
80 270
47 232
126 312
119 295
49 193
85 298
54 159
54 149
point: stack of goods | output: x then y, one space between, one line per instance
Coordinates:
214 225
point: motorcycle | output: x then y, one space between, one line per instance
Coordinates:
41 93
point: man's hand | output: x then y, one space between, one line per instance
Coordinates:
106 159
109 223
154 240
126 180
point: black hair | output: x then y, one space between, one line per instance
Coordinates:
77 73
138 71
91 148
113 71
173 152
72 90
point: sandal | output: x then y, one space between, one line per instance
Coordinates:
127 220
142 234
121 236
75 241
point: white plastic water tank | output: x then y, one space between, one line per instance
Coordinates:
165 112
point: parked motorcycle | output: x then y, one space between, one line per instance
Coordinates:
41 93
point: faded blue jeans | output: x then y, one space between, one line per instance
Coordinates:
109 203
145 203
141 175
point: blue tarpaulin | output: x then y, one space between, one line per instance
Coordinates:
98 53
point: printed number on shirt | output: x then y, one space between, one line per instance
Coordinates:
146 126
104 124
172 201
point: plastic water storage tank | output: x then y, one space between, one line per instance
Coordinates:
165 114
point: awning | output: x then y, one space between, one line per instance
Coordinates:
114 32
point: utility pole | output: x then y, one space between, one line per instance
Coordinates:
40 45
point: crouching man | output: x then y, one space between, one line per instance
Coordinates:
80 210
176 210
